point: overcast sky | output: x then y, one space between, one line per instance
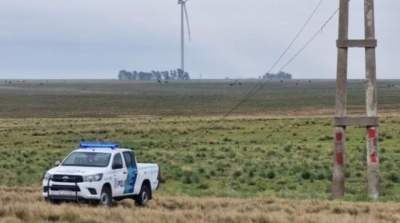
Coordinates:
60 39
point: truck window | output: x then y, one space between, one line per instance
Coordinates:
117 161
88 159
129 160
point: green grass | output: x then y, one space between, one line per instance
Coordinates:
244 155
239 157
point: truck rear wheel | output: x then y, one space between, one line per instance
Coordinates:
143 197
105 197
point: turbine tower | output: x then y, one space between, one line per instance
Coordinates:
183 15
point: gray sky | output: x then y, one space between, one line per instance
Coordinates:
60 39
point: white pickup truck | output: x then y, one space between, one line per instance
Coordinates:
99 173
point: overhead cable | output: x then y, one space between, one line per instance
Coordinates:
260 84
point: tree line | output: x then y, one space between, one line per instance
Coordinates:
281 76
177 74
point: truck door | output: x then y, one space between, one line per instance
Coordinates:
132 172
119 175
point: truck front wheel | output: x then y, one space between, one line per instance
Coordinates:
143 197
105 197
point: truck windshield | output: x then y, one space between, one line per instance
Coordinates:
89 159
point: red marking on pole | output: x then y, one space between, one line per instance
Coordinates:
339 158
373 158
339 136
371 133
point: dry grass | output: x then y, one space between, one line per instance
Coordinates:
26 205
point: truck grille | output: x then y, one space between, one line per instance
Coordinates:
67 178
63 187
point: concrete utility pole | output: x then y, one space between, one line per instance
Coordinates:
341 120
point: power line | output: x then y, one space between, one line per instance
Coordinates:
284 52
260 85
295 38
312 38
298 52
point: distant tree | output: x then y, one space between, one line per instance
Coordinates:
124 75
166 75
178 74
186 76
156 75
159 75
142 76
134 75
280 76
120 75
269 76
172 74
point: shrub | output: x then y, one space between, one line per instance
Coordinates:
305 175
393 177
196 178
325 138
220 156
251 173
188 159
232 154
237 173
186 179
226 139
203 149
203 186
251 182
201 170
271 174
271 153
177 173
288 147
320 176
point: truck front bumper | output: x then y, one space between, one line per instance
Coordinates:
71 191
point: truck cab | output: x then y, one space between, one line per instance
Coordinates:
99 173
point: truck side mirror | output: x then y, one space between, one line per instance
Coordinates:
57 163
117 166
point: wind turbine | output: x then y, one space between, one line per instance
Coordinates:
183 15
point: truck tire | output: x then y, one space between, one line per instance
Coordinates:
105 197
143 197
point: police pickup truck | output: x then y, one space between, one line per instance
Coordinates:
99 173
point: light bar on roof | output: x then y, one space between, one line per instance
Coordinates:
103 145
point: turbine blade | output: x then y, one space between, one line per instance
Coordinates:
187 21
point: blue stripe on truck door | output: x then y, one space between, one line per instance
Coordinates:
132 173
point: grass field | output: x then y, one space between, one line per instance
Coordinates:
26 205
277 145
114 98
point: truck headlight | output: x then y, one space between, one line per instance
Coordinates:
47 176
91 178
